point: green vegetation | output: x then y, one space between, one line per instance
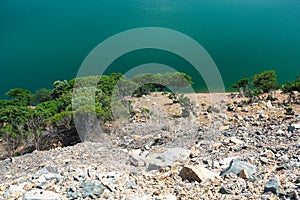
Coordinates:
19 94
27 118
42 95
148 83
161 82
264 82
242 85
291 87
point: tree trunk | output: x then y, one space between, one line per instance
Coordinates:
270 96
241 92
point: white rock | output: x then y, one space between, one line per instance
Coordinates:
236 166
269 105
41 195
167 158
146 197
296 125
216 164
236 141
226 162
14 192
280 131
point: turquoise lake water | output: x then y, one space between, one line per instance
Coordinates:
43 41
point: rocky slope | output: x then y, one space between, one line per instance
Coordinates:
246 152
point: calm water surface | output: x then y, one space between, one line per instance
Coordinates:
42 41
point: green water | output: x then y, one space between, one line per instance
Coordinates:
42 41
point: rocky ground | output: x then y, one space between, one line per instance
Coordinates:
228 151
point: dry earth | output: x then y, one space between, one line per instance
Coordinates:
224 151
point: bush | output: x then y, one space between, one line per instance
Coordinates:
23 96
42 95
265 81
63 120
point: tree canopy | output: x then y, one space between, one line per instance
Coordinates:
21 95
265 81
26 116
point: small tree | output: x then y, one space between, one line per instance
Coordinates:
148 83
62 121
107 83
291 87
125 87
42 95
176 81
12 125
7 133
235 86
21 95
242 85
60 87
36 126
266 82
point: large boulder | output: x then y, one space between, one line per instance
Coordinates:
197 173
158 160
237 167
